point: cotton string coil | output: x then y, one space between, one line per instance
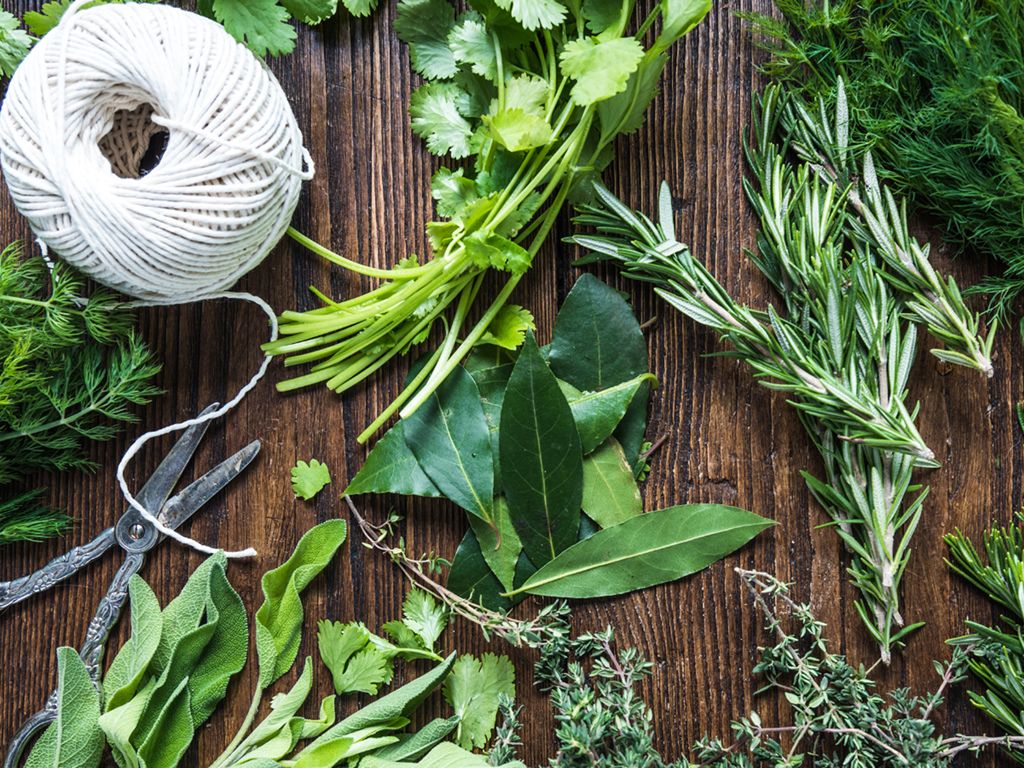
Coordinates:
85 113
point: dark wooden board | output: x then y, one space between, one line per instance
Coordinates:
728 439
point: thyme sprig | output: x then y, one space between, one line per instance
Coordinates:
850 280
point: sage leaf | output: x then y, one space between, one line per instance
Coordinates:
391 467
597 343
610 493
499 543
119 724
126 671
643 551
449 436
541 458
415 745
172 731
444 755
262 742
74 739
597 414
279 618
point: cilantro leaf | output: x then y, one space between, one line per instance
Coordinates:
309 479
437 116
601 14
49 14
509 327
600 69
424 616
14 43
517 130
262 25
360 8
473 688
425 26
452 191
471 43
357 665
534 14
312 11
528 93
497 252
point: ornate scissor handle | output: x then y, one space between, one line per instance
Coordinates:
56 570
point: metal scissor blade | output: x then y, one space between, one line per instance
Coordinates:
160 484
191 499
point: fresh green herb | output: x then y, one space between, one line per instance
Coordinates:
14 43
643 551
74 739
474 689
70 370
537 92
851 280
936 90
309 479
357 665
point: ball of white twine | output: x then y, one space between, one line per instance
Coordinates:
79 117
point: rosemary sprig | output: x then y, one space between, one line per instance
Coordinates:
847 302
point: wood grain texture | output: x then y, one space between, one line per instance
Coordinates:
728 439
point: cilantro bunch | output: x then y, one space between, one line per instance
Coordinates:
530 94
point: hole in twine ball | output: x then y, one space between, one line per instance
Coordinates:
151 150
135 144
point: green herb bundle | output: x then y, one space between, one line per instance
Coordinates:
852 284
936 88
535 93
71 370
174 670
542 449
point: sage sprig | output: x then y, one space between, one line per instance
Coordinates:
852 283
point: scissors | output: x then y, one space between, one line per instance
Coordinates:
136 536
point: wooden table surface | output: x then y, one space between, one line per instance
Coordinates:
727 439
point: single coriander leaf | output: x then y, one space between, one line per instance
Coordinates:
436 110
360 8
14 43
601 14
309 479
528 93
471 43
517 130
494 251
311 11
338 643
646 550
600 69
541 457
46 18
473 689
452 191
262 25
509 327
424 616
402 635
535 14
365 672
424 25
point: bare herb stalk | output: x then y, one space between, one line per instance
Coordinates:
852 282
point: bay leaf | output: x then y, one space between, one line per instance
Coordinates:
541 458
449 436
472 578
599 413
610 493
499 542
490 368
597 343
391 467
646 550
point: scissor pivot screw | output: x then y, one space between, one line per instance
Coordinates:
136 531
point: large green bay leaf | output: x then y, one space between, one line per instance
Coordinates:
610 493
391 467
472 578
541 458
598 414
499 542
449 436
643 551
490 368
597 344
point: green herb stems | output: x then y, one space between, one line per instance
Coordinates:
851 280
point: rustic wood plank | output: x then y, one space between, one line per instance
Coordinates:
728 440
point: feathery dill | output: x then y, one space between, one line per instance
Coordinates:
852 284
70 369
936 88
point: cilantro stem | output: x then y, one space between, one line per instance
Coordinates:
354 266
